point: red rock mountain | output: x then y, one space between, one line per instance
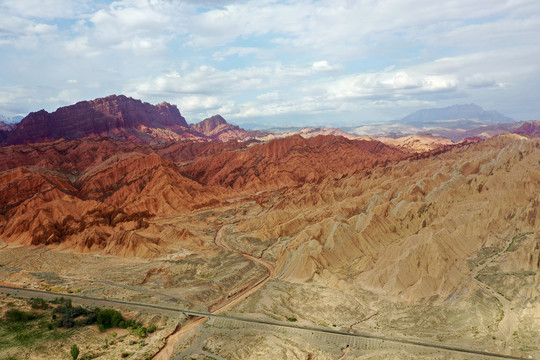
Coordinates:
114 116
208 126
5 129
291 161
529 129
85 193
217 128
75 156
119 117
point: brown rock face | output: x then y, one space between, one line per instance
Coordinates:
88 210
217 128
85 192
115 116
75 156
292 161
529 129
207 126
5 129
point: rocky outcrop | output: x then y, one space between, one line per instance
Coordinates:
121 118
114 116
5 129
412 230
217 128
529 129
76 156
210 125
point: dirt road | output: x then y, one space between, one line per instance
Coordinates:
224 305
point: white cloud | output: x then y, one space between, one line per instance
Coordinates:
45 9
401 80
235 50
325 67
251 58
480 81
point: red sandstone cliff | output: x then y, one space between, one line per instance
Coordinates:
114 116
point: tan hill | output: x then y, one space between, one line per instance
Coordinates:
417 143
310 132
409 230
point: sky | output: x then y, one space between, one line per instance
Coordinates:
274 63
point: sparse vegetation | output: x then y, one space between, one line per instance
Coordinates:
74 352
20 316
58 320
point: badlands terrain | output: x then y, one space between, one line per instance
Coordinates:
412 237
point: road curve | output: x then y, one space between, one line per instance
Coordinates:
224 305
227 304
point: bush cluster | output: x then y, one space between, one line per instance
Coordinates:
65 315
18 315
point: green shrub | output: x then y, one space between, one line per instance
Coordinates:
18 315
151 328
139 331
74 351
39 303
109 318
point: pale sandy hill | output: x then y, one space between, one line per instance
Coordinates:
411 229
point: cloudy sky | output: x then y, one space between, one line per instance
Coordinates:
338 62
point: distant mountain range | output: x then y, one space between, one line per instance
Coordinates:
9 120
457 115
124 118
455 122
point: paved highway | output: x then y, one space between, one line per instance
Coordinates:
110 302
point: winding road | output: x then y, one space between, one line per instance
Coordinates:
199 317
508 324
225 304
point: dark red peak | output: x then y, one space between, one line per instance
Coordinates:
116 116
216 120
208 125
530 129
